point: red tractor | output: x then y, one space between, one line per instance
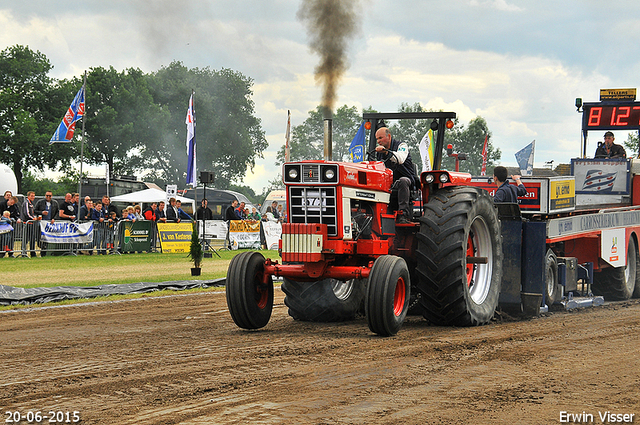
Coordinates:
343 253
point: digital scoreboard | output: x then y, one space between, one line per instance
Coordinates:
611 116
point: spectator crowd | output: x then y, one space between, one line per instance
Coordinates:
30 213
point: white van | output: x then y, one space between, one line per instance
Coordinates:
280 196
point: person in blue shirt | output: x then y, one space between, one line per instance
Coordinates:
507 192
181 213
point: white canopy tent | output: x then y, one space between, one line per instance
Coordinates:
151 195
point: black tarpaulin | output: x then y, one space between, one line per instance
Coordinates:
10 295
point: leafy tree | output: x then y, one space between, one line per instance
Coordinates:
121 119
469 140
246 191
632 145
307 139
228 135
59 187
31 107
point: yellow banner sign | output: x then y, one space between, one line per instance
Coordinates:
617 94
562 194
244 234
175 237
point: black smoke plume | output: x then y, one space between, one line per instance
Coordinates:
330 25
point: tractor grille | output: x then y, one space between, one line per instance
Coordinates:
314 205
311 173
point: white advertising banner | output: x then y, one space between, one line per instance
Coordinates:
66 232
272 233
213 229
613 248
244 234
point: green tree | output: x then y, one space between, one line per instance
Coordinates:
632 145
469 140
229 137
121 119
307 139
64 184
31 107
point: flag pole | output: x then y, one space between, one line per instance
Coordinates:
195 164
84 85
287 136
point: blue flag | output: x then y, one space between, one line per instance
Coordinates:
65 130
525 159
356 149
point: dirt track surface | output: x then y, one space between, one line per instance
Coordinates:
181 360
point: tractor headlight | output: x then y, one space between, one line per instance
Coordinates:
428 179
444 178
292 173
329 173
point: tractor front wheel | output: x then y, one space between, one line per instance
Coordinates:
249 299
388 294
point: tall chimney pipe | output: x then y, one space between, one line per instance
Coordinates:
328 139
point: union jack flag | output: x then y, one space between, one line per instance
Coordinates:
65 130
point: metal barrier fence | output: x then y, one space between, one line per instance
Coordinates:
108 238
25 241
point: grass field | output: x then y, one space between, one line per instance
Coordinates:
94 270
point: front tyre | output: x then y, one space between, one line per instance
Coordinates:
459 257
388 293
250 301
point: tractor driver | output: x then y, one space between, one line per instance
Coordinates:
608 149
396 156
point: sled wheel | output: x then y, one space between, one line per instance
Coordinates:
459 257
388 294
327 300
552 288
250 301
618 283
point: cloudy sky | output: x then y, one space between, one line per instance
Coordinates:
519 64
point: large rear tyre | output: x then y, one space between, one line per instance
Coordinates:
618 283
388 294
459 257
328 300
552 288
250 301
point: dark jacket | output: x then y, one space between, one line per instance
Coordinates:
406 169
160 214
509 192
230 214
204 214
616 151
27 212
85 213
172 215
41 205
14 210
